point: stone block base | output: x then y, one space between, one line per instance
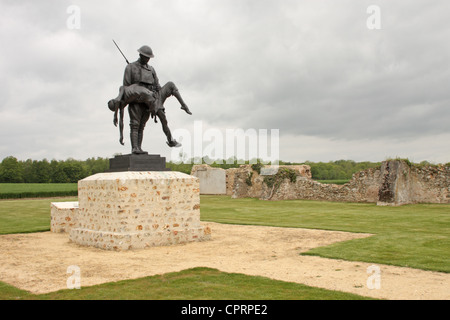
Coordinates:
134 210
138 240
63 216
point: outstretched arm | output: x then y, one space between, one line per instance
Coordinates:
121 126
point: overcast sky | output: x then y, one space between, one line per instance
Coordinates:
313 69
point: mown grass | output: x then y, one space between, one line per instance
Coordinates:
23 216
412 235
37 190
192 284
415 236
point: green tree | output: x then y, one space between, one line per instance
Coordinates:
11 170
41 171
93 166
27 166
73 170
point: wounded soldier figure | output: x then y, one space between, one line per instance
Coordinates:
145 97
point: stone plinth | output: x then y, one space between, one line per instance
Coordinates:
137 162
63 216
134 210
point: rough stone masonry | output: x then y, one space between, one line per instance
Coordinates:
134 210
396 182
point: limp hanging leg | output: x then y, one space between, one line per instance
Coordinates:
184 107
170 141
171 89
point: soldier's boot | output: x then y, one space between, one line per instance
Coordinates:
140 138
184 107
173 143
134 138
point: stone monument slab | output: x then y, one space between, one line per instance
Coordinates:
212 180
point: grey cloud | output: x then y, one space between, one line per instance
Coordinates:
309 68
358 87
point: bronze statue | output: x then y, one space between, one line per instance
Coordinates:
145 97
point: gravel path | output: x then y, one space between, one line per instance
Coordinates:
38 262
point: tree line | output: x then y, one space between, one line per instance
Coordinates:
54 171
338 170
71 170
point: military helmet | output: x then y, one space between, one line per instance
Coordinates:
146 51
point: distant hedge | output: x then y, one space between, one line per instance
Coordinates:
44 194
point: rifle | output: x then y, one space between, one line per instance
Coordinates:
121 52
121 109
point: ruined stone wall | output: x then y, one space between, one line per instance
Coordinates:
230 177
429 184
247 182
362 188
395 183
403 183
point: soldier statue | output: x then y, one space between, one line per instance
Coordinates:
145 97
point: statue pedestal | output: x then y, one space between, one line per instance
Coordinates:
134 210
137 162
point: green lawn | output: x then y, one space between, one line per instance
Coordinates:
416 236
37 190
191 284
413 235
30 215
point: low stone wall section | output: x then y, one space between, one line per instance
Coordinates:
247 182
63 216
362 188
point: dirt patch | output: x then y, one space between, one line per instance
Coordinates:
38 262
